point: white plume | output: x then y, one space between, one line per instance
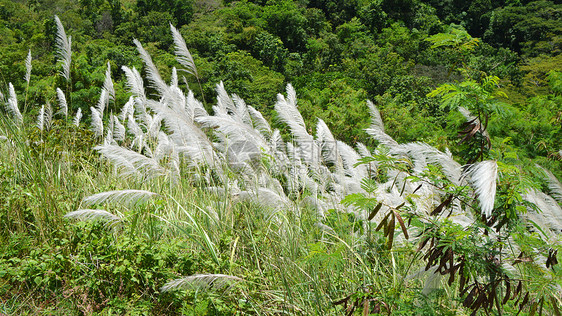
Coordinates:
376 130
102 102
482 176
151 70
554 185
13 104
182 53
28 67
62 102
201 282
130 162
118 129
134 82
97 122
89 214
41 118
78 117
108 83
64 51
127 198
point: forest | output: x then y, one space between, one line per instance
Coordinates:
300 157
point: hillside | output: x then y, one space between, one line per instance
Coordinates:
267 157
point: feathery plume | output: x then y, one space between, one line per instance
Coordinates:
48 116
64 50
260 123
28 67
151 70
201 282
290 115
13 104
127 109
97 122
376 120
108 83
327 143
550 213
131 162
554 185
174 77
134 128
78 117
62 102
89 214
109 134
118 129
482 176
127 198
134 82
102 101
224 102
41 118
182 53
376 130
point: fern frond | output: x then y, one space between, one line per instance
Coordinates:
201 282
64 50
126 198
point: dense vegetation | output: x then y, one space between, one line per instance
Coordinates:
250 209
